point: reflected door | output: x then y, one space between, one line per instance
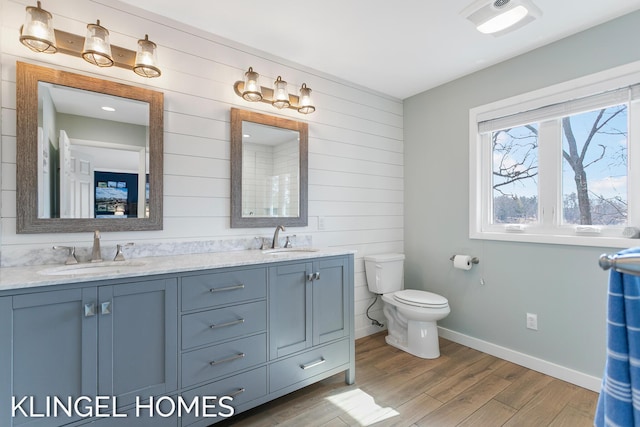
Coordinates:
76 186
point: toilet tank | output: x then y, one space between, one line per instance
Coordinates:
384 272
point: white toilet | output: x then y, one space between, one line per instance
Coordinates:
411 314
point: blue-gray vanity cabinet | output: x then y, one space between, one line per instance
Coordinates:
310 320
224 337
52 349
137 340
290 305
115 340
308 304
253 332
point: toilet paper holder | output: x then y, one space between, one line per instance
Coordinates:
474 260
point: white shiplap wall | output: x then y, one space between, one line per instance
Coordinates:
355 137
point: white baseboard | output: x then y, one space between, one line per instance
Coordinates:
561 372
369 330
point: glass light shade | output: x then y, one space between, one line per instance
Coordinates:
97 49
504 20
280 94
252 91
37 32
305 106
146 64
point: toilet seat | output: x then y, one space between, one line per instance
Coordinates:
421 298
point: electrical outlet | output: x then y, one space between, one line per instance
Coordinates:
532 321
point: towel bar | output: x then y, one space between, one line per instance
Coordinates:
623 263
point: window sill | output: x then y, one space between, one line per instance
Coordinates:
556 239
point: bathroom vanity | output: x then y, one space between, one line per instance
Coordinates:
154 332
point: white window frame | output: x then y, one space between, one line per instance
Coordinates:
549 229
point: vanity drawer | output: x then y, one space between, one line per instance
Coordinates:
211 326
316 361
221 288
243 388
222 359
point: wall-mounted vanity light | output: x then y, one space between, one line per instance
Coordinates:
38 34
97 49
251 91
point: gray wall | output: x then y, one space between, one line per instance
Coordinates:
562 284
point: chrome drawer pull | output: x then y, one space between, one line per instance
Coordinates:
314 364
222 325
236 393
228 288
228 359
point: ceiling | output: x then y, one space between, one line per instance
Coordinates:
399 48
84 103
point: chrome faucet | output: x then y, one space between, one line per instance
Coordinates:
71 255
119 255
275 244
95 253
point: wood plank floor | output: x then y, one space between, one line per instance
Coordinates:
463 387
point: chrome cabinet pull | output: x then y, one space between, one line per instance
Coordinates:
316 275
310 277
105 307
228 288
228 359
313 364
237 392
222 325
89 310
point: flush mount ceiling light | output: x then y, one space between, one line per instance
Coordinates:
38 34
250 90
498 17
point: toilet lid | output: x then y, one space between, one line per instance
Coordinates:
421 298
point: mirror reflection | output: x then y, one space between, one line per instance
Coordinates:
270 171
269 157
89 153
93 157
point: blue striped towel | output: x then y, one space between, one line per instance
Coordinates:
619 401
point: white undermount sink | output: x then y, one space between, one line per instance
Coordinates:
107 267
284 251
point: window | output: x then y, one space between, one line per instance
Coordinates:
558 165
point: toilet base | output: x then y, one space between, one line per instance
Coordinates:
422 340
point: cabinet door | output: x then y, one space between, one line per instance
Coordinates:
290 305
53 352
137 340
331 319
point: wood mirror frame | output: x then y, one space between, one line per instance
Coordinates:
27 221
237 220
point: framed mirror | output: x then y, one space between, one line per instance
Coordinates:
269 170
89 153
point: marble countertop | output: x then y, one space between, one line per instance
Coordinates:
47 275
